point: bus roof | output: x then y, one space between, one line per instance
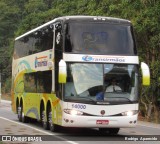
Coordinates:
78 17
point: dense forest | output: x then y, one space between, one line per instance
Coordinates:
19 16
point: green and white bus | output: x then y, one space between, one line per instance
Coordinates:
61 71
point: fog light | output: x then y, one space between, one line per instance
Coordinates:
135 121
66 120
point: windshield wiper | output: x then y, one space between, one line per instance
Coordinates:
122 98
127 99
79 97
87 98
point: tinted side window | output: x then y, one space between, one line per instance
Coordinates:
43 39
30 83
38 82
38 41
24 46
44 82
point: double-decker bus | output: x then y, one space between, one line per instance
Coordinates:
62 71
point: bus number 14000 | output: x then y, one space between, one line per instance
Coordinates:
78 106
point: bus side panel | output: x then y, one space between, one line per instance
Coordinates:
28 64
18 89
56 110
31 101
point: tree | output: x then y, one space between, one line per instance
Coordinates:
9 19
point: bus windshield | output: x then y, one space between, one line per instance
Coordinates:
99 38
110 83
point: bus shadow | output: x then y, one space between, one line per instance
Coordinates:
89 134
81 134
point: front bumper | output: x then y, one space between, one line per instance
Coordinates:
98 121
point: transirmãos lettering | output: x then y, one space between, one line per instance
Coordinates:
103 59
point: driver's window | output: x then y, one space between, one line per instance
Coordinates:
113 86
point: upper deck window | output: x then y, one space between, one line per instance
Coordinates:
99 38
35 42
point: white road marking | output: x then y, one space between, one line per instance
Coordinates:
63 139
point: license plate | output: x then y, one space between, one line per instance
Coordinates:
102 122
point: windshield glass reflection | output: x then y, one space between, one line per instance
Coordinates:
99 38
112 83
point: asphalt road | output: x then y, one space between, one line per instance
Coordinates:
10 126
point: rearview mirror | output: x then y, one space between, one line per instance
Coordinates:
145 74
62 72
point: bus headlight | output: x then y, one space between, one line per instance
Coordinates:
130 113
73 112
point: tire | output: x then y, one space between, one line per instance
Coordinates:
45 124
21 116
24 118
53 127
111 131
19 113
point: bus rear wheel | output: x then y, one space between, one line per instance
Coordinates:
44 120
111 131
53 127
